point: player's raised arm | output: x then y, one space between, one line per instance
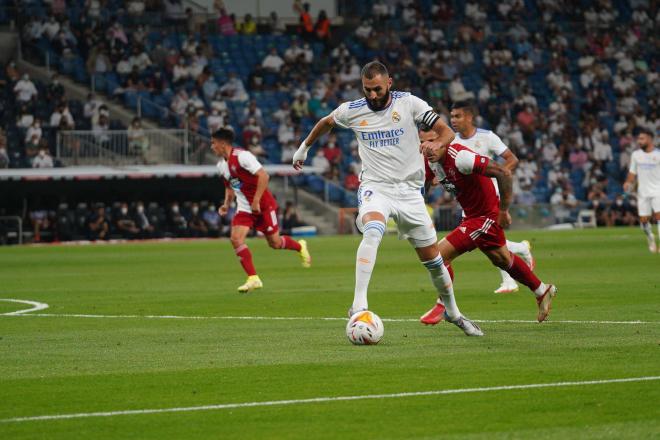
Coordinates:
323 126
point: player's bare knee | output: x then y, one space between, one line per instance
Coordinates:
236 241
275 242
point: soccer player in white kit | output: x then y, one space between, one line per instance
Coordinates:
645 165
385 125
487 143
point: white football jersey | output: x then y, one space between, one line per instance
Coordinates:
388 141
647 168
483 142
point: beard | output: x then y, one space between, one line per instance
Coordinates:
378 104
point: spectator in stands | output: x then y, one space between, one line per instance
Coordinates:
249 26
147 229
290 218
34 131
174 11
306 24
226 24
43 159
98 61
212 219
215 120
234 89
275 24
138 142
622 212
251 129
176 221
100 130
91 107
98 227
322 28
41 222
4 158
32 147
179 104
599 202
351 180
25 90
55 90
62 117
299 109
319 161
273 62
331 151
563 203
196 225
125 223
283 113
286 132
288 151
254 146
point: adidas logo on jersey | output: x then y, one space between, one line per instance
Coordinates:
363 123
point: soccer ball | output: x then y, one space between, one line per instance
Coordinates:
364 328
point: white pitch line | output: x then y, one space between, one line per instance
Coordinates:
325 399
307 318
36 306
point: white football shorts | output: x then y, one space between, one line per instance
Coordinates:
402 203
646 205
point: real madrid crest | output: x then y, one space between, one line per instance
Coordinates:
396 117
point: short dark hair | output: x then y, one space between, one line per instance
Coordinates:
466 105
224 134
374 68
647 131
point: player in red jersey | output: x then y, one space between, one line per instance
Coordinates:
468 176
247 182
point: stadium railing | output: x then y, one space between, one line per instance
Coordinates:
8 233
114 147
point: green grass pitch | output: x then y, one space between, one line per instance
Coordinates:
124 361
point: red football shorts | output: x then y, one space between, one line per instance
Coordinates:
480 232
265 222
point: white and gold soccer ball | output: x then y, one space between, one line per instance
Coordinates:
365 328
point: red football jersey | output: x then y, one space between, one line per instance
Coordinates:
464 170
239 174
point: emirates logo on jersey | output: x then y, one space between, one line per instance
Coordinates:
396 117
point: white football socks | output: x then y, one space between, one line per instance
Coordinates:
646 228
443 284
366 259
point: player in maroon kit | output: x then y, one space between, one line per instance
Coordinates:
468 176
247 182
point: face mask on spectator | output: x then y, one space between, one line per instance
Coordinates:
175 209
124 211
140 209
195 210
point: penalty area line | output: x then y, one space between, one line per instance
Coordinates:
325 399
36 306
300 318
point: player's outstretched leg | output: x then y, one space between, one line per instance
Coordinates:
544 293
445 307
372 234
645 225
522 249
285 242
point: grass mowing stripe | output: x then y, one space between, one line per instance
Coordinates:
328 399
306 318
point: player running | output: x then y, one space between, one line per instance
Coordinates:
487 143
468 176
645 165
247 181
385 125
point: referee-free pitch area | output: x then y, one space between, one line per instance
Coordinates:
152 341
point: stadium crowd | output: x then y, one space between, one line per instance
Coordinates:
139 220
564 84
